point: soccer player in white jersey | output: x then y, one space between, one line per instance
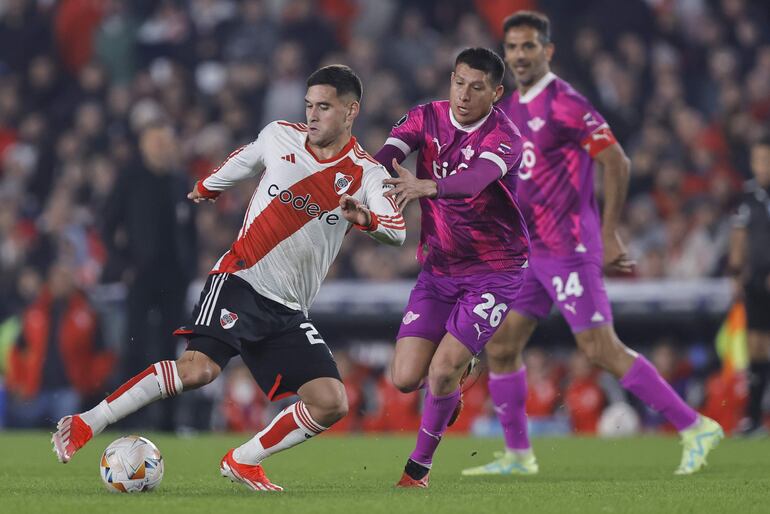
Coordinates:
316 182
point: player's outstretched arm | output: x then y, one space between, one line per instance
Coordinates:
467 184
407 187
616 168
245 162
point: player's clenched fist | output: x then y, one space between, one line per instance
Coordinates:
196 196
354 211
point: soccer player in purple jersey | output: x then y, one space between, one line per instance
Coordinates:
473 240
563 136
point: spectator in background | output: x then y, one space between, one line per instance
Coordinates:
149 225
253 36
57 359
583 396
390 410
544 394
115 42
243 407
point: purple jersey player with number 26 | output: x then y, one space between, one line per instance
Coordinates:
473 241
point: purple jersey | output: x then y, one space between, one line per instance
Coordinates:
464 236
562 133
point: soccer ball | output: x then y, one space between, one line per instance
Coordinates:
619 420
131 464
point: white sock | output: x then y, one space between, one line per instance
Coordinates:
160 380
292 426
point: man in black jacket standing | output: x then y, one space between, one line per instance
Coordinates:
149 226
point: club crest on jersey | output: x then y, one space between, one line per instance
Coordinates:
227 319
342 183
468 152
536 123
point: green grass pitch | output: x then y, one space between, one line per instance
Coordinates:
338 474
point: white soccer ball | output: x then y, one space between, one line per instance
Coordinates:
619 420
131 464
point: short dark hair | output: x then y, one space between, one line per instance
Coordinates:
485 60
535 20
340 77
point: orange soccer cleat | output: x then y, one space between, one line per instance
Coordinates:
412 470
407 481
253 476
72 433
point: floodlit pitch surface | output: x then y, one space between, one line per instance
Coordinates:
355 474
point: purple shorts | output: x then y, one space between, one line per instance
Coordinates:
575 284
470 308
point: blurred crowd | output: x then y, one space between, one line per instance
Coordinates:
111 109
566 395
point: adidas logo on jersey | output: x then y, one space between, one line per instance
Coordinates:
342 183
227 319
290 158
597 317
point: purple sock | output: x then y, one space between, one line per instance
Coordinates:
646 383
509 394
435 416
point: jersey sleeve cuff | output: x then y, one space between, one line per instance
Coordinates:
490 156
204 192
394 141
373 224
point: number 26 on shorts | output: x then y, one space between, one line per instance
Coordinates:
482 310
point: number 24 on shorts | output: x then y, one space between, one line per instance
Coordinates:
482 309
572 287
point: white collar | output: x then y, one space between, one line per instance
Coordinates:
537 88
468 128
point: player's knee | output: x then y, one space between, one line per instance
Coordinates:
339 408
406 381
330 407
197 372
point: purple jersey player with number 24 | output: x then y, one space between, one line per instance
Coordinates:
563 135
